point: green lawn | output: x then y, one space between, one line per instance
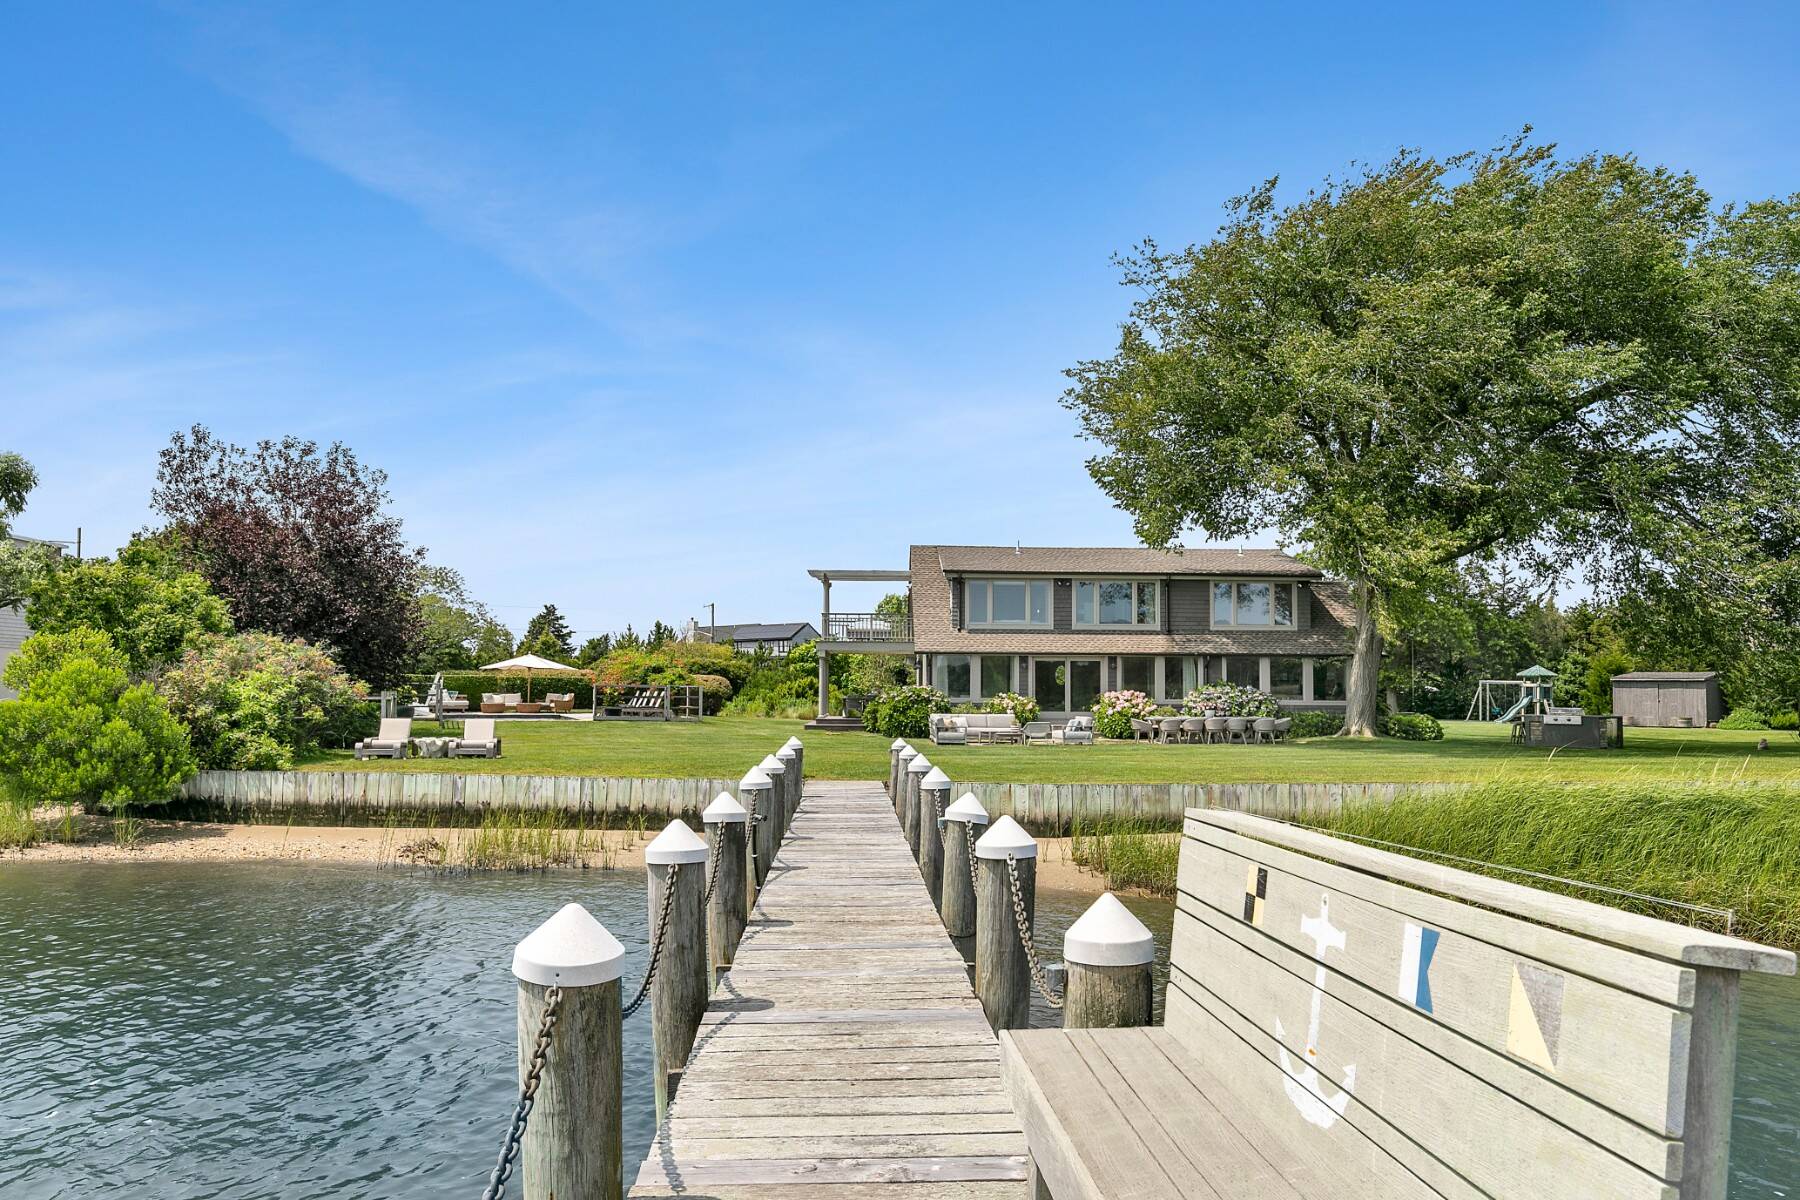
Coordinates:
724 747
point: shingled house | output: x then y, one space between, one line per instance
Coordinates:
1065 624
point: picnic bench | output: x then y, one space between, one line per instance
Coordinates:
1345 1022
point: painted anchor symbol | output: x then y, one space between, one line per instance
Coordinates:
1304 1087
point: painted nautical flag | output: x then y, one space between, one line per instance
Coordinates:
1534 1015
1417 945
1256 889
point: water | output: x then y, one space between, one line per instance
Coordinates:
1765 1128
290 1032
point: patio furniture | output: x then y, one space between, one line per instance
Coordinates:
559 701
647 703
1216 730
491 703
1169 730
1237 729
528 707
1039 731
1193 729
1142 731
477 740
1282 726
1079 731
956 729
390 742
1264 729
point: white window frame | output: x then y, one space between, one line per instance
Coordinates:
1234 623
986 584
1155 586
940 676
975 680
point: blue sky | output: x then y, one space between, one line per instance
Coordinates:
648 306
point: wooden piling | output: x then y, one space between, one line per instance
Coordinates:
799 749
777 772
755 791
790 786
902 760
1109 955
893 782
957 905
1002 971
676 862
916 770
571 1148
727 861
934 798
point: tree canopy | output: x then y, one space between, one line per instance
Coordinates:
548 634
1575 365
152 610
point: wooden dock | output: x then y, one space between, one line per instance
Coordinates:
844 1051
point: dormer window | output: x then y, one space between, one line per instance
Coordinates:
1109 603
1008 603
1253 603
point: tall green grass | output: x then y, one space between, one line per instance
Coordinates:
1128 852
18 829
1726 845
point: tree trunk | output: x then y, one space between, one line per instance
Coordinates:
1363 690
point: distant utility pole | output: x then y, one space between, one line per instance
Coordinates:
712 621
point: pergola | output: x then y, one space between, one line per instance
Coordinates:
857 633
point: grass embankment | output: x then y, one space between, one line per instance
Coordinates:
1732 847
724 747
1128 853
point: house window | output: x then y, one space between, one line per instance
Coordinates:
1104 602
1137 673
1328 678
1253 602
1180 676
1008 602
1243 670
1286 676
996 674
951 672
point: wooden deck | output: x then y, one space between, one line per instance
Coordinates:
845 1051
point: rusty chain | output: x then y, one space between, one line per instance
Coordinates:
534 1075
1024 926
656 945
712 872
969 836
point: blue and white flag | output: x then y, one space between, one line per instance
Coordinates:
1417 946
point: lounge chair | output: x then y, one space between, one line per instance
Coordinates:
391 742
477 740
1079 731
1039 731
647 703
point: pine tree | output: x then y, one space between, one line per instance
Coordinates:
548 630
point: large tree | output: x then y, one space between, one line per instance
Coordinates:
548 635
152 611
454 628
1574 364
299 543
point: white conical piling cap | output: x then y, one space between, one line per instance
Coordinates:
935 780
771 765
675 844
723 810
1107 935
908 753
898 744
755 778
793 743
785 755
919 766
969 809
1005 837
571 949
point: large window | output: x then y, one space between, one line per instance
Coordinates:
1007 602
1180 676
1137 673
1243 670
1328 678
1256 602
951 675
996 674
1102 602
1286 677
1066 685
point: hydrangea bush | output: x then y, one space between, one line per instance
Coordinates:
1023 708
904 711
1231 699
1115 711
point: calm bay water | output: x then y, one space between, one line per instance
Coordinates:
289 1032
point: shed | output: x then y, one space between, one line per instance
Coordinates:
1674 699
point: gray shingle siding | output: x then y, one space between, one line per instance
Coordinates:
1190 608
13 632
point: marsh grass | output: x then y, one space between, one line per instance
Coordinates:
18 828
1127 852
127 830
1729 844
503 841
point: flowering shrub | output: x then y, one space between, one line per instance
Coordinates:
1023 708
1231 700
1115 711
255 701
904 712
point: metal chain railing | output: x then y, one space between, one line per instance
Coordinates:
750 830
1031 958
534 1074
712 873
969 836
656 945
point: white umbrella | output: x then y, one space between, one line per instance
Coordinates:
529 663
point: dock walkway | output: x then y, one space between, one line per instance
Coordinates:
844 1050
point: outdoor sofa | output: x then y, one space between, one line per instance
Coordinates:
559 701
955 729
477 741
499 702
390 742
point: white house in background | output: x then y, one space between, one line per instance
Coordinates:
13 630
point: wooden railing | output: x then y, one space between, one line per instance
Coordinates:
867 627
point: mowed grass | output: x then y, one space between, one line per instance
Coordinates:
724 747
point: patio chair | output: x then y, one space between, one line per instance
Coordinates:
1282 726
560 701
1216 730
1171 729
1079 731
391 742
1193 729
1039 731
1142 731
1237 729
1264 729
492 703
477 740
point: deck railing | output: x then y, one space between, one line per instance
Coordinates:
867 627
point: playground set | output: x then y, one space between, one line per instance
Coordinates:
1538 722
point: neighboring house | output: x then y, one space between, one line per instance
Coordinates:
776 639
1064 624
13 630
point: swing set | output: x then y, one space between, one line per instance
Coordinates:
1495 702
